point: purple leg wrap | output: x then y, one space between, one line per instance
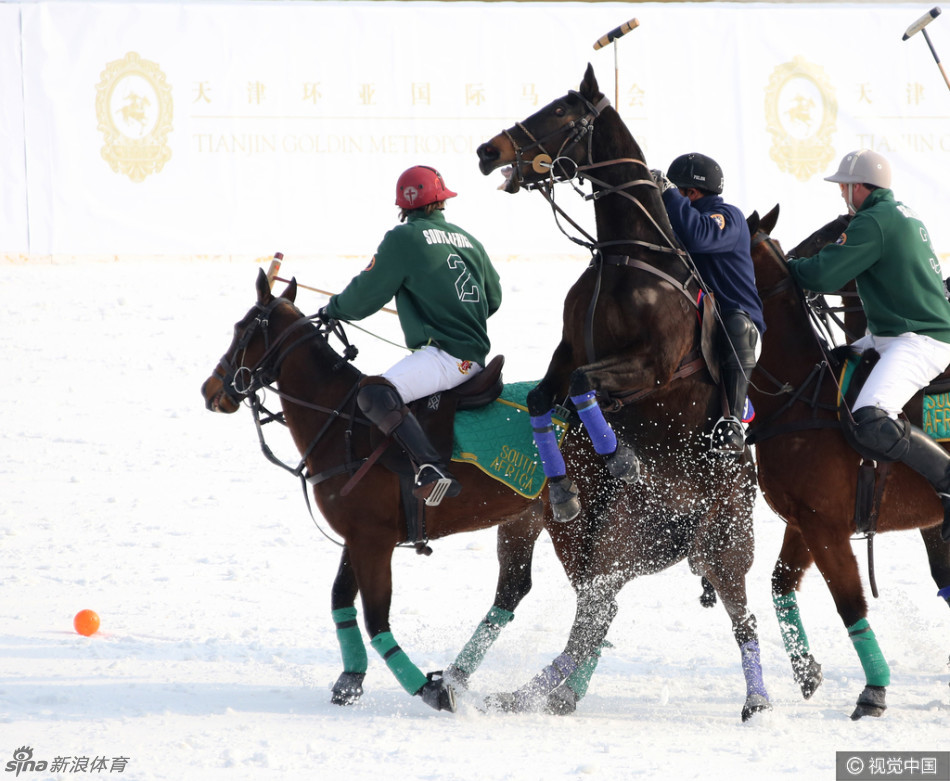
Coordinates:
752 669
600 433
546 439
544 682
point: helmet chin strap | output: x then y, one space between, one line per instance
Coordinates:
851 209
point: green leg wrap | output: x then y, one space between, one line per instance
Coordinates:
350 639
410 677
471 656
790 624
579 680
869 652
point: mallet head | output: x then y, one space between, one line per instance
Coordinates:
921 23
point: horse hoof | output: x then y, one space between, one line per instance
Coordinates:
456 678
562 701
348 688
807 674
708 597
624 465
565 503
870 703
755 703
436 693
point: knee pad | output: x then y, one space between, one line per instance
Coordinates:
875 430
741 332
381 403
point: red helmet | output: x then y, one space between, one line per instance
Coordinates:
420 186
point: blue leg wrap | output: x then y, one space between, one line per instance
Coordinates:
545 437
600 433
752 669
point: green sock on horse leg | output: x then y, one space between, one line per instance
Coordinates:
410 677
790 624
869 652
350 639
471 656
579 680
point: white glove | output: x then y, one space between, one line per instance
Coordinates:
661 181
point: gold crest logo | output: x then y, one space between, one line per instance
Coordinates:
134 109
800 113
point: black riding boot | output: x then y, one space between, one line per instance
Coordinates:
897 440
739 338
932 462
380 402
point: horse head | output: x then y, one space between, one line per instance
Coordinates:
246 365
581 136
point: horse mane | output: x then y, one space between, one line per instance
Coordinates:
824 235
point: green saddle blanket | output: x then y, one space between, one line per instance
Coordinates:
935 418
497 439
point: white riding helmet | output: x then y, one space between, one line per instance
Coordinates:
863 166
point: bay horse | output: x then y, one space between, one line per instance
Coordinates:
276 346
630 341
808 472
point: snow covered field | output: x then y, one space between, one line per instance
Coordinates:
119 492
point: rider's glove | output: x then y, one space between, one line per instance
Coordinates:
661 181
322 314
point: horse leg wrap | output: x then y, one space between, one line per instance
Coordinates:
752 669
410 677
944 593
579 680
790 624
757 698
542 428
471 656
601 434
530 696
876 671
350 639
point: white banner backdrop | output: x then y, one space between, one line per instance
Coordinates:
247 127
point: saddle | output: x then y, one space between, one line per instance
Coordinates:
436 415
853 369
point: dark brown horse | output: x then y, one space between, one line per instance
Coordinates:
274 345
809 473
631 338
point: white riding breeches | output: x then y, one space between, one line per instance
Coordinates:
908 363
429 371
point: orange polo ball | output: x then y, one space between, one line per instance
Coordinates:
86 622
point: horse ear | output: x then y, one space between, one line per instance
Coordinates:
753 222
769 220
290 293
263 287
589 88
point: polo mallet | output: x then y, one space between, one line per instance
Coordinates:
326 293
274 267
919 26
611 37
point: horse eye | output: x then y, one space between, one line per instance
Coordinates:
560 111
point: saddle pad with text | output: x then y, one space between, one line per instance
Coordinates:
497 439
936 406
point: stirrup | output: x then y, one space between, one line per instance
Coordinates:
435 488
727 437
